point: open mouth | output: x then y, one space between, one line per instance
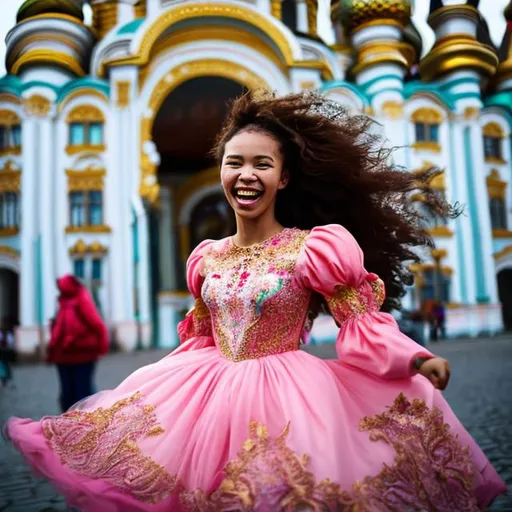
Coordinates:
247 196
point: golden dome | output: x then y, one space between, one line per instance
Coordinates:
355 13
31 8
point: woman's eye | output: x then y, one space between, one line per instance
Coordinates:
233 164
262 166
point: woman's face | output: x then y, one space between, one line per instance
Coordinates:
252 173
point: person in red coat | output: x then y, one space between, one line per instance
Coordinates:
78 339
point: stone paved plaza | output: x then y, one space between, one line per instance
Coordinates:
480 393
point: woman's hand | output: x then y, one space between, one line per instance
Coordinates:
437 371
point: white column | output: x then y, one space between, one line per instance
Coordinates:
152 8
484 219
463 223
60 186
302 16
28 223
125 13
47 214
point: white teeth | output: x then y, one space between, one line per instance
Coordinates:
247 193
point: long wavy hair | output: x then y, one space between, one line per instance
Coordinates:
341 173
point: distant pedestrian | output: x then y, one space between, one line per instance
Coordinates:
7 355
78 339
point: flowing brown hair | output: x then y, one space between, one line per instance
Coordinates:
340 173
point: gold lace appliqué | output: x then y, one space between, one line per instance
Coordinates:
102 444
349 302
431 471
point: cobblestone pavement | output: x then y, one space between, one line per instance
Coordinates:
480 393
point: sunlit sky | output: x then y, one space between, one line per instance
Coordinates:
492 9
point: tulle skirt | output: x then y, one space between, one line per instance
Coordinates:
196 431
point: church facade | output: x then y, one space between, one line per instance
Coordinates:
106 129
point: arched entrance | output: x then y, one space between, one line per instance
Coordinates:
9 298
184 131
505 296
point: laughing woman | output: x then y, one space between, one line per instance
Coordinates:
238 418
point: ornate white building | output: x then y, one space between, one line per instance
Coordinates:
105 132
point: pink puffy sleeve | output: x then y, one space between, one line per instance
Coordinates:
197 324
332 264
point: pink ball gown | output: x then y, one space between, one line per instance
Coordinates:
238 418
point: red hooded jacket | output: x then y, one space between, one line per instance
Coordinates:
78 333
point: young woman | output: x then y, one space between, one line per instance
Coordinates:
238 418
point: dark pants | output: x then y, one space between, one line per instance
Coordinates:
76 383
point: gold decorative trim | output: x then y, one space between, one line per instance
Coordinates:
312 16
276 8
10 98
54 57
381 52
427 146
439 254
177 294
440 231
496 188
454 54
101 228
180 13
90 179
104 17
419 268
9 118
376 23
393 109
501 233
81 248
140 9
82 148
85 114
495 160
493 130
427 116
11 151
324 67
10 178
123 94
439 181
193 34
52 16
471 113
6 232
37 105
9 251
504 252
37 38
149 188
82 93
184 242
308 85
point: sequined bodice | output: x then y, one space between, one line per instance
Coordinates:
256 305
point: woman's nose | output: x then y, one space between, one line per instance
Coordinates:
247 172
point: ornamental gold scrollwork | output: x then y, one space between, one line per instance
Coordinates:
37 105
393 109
9 118
80 248
494 130
90 179
427 116
85 113
123 94
496 187
10 178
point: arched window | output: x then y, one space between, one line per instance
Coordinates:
10 133
493 142
426 128
86 127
